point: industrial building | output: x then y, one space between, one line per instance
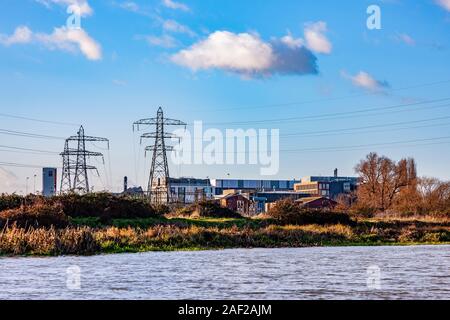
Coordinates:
190 190
317 203
255 202
327 186
240 203
220 185
49 181
263 198
250 197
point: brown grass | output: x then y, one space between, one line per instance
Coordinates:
85 241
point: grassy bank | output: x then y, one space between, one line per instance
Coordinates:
88 235
103 223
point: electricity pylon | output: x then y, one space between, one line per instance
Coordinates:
75 162
66 181
159 181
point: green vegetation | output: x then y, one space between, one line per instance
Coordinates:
69 225
288 212
87 236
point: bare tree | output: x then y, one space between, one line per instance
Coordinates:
434 196
382 179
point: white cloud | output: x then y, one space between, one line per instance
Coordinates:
444 4
83 5
246 54
62 38
175 5
226 50
403 37
367 82
164 41
315 38
174 26
292 42
22 34
70 40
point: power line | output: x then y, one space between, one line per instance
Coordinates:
334 148
6 115
28 134
343 130
363 127
330 116
22 152
374 131
26 149
294 103
366 145
384 146
20 165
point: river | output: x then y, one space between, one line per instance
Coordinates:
388 272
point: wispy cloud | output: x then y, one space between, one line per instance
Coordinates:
246 54
22 34
174 26
130 6
444 4
175 5
83 6
62 38
135 8
405 38
367 82
165 41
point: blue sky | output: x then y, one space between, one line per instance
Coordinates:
224 62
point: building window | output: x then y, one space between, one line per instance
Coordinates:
347 187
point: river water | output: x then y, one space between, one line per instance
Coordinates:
413 272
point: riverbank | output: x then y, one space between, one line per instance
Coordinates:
89 235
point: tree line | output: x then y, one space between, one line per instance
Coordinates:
394 187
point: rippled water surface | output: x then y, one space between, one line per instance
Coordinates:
413 272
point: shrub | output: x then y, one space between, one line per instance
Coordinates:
34 216
183 211
11 201
362 210
288 211
161 209
106 206
102 205
213 209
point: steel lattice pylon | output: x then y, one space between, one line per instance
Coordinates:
75 162
66 182
159 180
